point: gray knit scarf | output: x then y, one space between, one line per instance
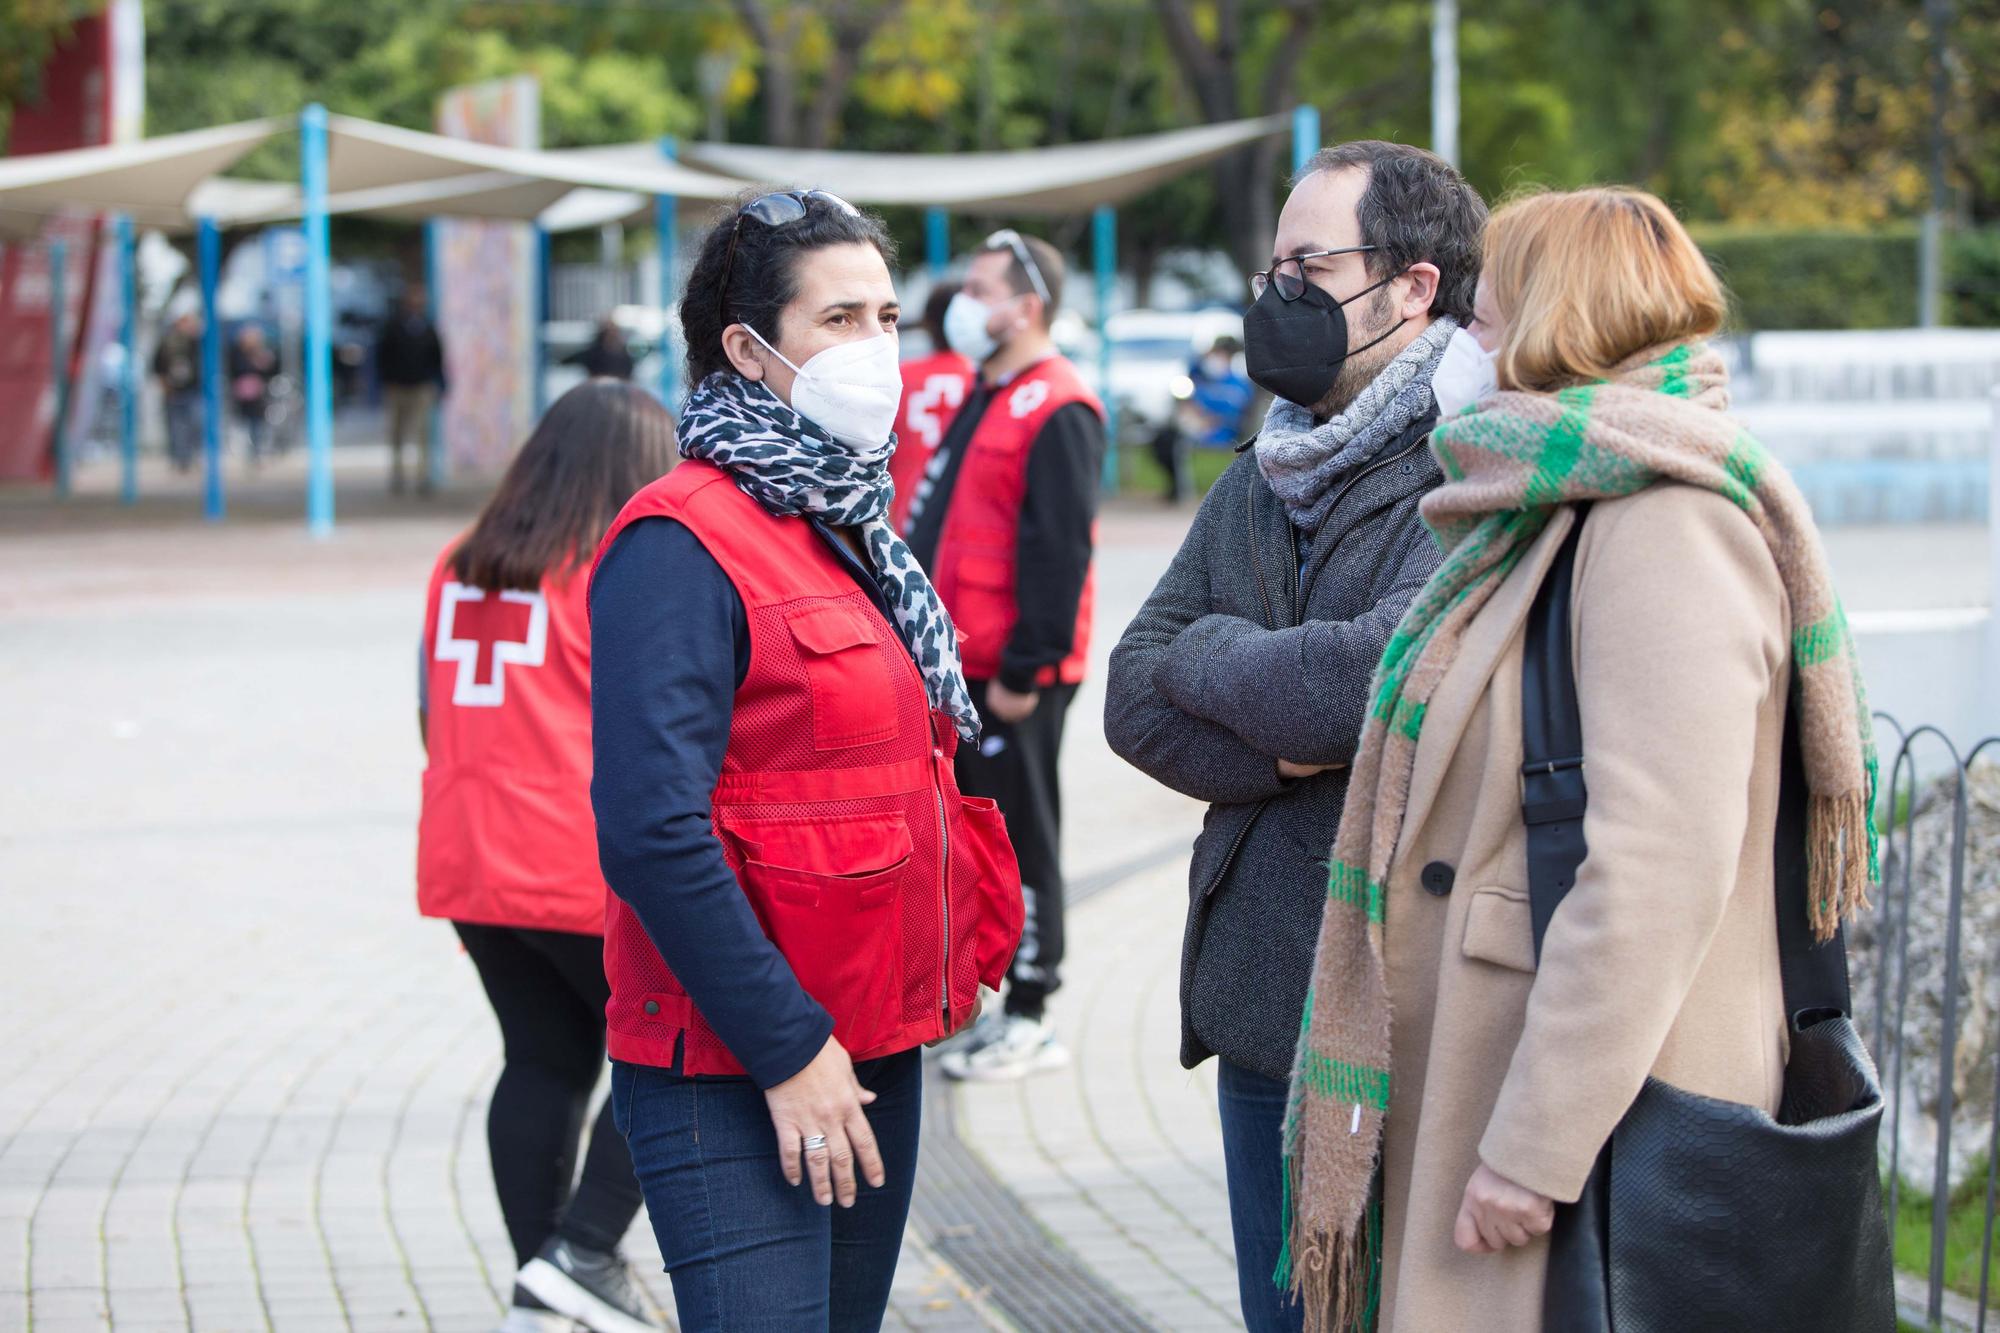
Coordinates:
1305 463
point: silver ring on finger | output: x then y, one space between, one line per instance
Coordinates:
815 1143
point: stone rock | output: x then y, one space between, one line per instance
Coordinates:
1925 849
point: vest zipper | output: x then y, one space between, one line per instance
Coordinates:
944 873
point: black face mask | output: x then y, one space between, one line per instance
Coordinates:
1295 348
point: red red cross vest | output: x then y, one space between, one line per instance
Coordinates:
974 569
934 388
892 897
506 836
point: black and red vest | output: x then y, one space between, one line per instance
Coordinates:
892 897
976 556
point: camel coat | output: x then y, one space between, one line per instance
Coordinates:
1663 960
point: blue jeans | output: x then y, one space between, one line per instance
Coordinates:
748 1252
1253 1128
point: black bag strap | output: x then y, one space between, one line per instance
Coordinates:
1554 798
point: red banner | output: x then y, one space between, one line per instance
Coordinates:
75 111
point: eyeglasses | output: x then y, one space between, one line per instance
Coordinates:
780 208
1289 275
1011 239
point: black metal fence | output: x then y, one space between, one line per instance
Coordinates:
1888 1031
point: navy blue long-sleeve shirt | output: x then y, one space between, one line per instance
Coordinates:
670 643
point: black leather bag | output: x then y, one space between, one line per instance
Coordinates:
1699 1213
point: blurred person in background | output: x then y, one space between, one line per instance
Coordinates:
1244 679
934 386
1004 517
1208 414
606 356
252 365
1703 613
409 358
803 897
506 851
177 366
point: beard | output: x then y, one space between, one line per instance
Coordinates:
1359 370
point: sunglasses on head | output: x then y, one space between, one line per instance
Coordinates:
780 208
1010 239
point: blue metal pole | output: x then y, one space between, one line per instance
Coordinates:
208 244
1305 136
434 460
59 362
128 369
541 322
664 207
319 325
1104 250
937 241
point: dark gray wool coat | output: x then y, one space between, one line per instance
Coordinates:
1241 658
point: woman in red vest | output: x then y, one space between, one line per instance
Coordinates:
506 851
803 899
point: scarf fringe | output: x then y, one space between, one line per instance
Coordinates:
1839 856
1337 1276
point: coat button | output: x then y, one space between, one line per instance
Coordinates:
652 1007
1437 879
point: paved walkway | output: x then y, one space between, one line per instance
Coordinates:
242 1086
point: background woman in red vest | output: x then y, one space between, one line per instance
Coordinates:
506 851
803 898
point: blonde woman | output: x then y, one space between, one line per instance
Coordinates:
1448 1092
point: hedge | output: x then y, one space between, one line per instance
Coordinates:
1849 279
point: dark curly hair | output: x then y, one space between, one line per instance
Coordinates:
764 277
1418 209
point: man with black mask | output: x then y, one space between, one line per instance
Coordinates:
1244 679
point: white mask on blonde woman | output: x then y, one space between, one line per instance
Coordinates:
1464 375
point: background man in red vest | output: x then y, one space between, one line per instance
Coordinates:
934 388
1004 518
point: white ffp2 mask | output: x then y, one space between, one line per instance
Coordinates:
965 321
850 390
1464 375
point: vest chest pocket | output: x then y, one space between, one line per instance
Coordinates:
825 890
847 674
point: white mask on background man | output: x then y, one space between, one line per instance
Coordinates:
1464 375
965 321
850 390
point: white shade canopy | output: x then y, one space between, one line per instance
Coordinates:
366 156
151 179
481 194
1068 178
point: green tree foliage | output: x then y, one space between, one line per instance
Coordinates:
1746 114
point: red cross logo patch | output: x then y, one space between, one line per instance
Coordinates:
1028 397
485 636
937 392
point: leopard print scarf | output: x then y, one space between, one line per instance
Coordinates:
792 467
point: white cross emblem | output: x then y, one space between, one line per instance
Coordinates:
939 391
486 629
1028 397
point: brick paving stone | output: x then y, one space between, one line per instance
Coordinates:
261 1106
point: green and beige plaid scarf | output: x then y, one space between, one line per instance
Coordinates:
1509 463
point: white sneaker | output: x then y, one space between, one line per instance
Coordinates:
591 1287
974 1036
520 1319
1022 1047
